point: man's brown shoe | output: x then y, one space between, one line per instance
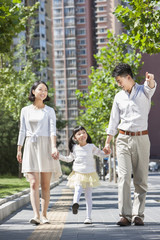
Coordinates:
138 221
124 222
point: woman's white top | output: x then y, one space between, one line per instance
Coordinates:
36 127
46 123
83 157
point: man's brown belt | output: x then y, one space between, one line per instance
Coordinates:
134 133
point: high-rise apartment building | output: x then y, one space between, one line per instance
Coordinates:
79 30
104 20
43 38
68 33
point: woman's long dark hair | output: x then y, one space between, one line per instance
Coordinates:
72 142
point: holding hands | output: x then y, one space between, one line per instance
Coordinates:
107 149
55 153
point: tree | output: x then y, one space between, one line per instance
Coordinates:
13 20
98 102
16 77
141 20
17 74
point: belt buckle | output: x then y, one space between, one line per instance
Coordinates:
139 133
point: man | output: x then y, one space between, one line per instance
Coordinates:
129 114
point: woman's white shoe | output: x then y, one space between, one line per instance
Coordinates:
45 220
35 221
88 221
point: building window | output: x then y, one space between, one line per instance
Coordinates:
82 42
71 93
59 64
73 113
57 3
59 73
69 11
80 1
71 73
57 12
59 54
60 93
80 20
83 72
60 102
58 22
81 32
68 2
58 33
69 21
101 19
70 53
71 63
59 83
82 52
72 83
101 9
81 10
58 43
70 43
102 40
70 32
83 82
72 103
83 62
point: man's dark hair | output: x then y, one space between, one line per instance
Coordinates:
122 69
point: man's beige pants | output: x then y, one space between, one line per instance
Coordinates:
132 155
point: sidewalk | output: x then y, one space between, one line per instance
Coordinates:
66 226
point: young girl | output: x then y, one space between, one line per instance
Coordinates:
84 174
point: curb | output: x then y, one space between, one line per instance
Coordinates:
10 204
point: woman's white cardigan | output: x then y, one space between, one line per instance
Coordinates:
46 126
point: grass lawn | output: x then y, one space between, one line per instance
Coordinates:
10 185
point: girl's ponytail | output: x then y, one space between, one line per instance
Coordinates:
72 142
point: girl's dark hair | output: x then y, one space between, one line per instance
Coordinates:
34 86
72 141
122 69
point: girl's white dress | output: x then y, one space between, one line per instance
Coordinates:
84 167
37 125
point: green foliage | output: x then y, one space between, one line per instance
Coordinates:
18 68
98 102
141 20
8 143
10 185
13 20
66 169
16 77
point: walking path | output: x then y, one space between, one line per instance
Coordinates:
66 226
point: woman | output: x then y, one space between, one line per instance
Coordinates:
38 129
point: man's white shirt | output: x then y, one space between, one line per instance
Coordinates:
130 110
